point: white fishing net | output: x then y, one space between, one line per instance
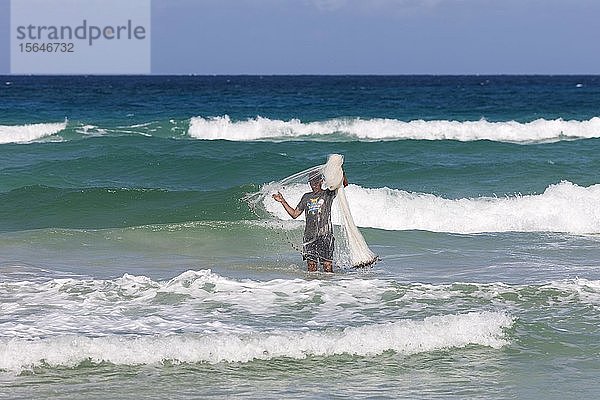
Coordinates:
351 249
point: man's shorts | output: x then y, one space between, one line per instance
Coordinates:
319 248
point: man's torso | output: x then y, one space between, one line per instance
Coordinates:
317 209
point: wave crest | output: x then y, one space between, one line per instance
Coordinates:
403 337
563 207
260 128
29 132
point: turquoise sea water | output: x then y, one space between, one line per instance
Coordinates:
132 267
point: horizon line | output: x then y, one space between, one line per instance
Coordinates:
303 74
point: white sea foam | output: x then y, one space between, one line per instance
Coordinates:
584 290
259 128
202 297
200 316
202 301
563 207
29 132
91 130
403 337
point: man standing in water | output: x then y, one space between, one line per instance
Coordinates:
318 232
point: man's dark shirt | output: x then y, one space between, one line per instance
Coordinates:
317 208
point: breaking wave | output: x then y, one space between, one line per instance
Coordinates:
562 207
403 337
260 128
29 132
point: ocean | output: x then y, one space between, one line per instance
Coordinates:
132 266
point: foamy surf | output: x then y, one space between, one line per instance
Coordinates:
403 337
580 289
562 207
202 301
204 317
29 132
260 128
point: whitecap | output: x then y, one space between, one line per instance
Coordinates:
29 132
260 128
562 207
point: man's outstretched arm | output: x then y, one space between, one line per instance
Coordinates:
293 212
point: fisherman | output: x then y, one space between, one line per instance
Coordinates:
318 233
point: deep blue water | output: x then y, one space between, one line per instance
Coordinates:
95 99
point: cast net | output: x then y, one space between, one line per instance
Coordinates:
351 249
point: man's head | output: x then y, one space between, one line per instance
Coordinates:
315 179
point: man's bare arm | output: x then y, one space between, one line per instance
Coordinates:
293 212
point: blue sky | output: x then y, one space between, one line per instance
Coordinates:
370 37
376 36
